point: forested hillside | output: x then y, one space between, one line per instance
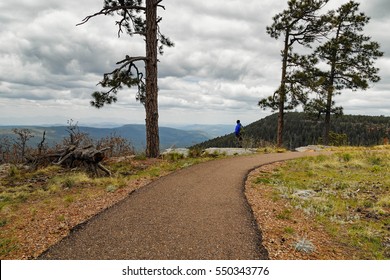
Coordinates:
300 130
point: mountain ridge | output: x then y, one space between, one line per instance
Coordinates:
134 133
301 129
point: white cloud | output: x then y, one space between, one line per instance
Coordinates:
223 61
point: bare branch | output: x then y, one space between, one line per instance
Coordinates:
108 172
129 59
106 11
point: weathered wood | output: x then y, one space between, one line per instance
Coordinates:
88 155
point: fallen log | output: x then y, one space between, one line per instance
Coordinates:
87 155
71 153
73 156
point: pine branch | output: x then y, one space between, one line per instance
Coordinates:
107 11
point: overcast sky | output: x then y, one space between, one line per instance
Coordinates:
222 64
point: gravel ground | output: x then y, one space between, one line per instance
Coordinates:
196 213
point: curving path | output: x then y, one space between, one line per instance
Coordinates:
196 213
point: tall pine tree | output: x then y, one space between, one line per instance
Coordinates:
347 61
299 24
136 18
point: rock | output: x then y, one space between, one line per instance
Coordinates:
313 148
304 194
222 151
231 151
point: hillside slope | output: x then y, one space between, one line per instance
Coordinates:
301 130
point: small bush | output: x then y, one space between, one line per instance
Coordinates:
21 197
69 183
7 245
174 156
68 199
111 188
375 160
195 153
3 222
346 157
261 180
305 246
376 169
13 172
284 215
289 230
141 156
61 218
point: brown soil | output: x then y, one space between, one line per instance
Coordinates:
37 225
282 232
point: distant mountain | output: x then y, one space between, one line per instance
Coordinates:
210 131
134 133
301 130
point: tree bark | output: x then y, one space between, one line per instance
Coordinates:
89 156
330 92
327 117
151 102
282 92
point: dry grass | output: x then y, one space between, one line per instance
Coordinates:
338 203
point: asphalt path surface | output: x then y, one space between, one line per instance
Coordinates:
199 212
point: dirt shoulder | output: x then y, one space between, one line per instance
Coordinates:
289 234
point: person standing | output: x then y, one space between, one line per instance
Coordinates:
237 132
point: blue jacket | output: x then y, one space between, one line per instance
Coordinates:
238 129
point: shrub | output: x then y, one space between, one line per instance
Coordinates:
304 245
346 157
3 222
284 215
195 152
111 188
69 183
174 156
14 172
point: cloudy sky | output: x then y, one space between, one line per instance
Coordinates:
223 62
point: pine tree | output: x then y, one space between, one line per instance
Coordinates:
299 24
141 19
349 56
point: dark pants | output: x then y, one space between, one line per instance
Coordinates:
239 140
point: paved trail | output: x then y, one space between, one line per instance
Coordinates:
196 213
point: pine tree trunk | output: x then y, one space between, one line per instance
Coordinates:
329 99
151 102
280 122
282 92
327 117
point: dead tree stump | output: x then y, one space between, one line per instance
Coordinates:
88 155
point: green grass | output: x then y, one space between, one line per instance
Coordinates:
3 222
7 245
284 215
348 192
289 230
